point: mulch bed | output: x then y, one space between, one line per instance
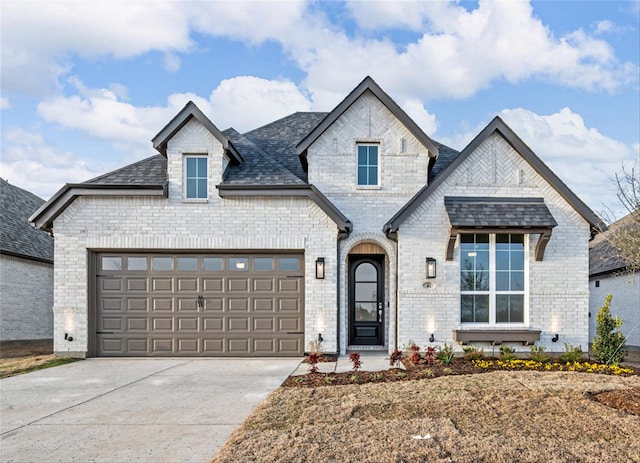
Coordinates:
627 400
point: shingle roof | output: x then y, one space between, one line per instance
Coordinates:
469 212
603 256
17 236
446 155
149 171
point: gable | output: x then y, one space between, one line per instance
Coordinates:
487 170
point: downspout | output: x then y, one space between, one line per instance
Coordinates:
397 296
338 295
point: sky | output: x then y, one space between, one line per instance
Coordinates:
85 85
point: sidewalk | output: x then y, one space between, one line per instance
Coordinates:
370 362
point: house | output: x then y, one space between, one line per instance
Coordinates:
26 269
609 274
352 226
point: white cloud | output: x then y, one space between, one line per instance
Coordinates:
583 158
246 103
416 110
30 163
4 103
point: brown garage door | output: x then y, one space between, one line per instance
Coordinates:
199 305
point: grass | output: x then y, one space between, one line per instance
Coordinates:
499 416
19 365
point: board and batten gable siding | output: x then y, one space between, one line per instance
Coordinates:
332 164
558 285
26 304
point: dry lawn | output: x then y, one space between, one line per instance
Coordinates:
494 417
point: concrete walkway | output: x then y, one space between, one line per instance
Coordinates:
373 361
132 410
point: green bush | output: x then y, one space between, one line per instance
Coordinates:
572 354
608 343
473 353
507 353
445 354
538 354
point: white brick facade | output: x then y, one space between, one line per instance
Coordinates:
557 292
26 299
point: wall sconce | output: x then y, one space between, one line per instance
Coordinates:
432 338
555 338
67 337
431 267
320 268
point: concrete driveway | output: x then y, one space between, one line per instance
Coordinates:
132 410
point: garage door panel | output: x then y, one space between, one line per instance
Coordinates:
162 284
136 284
213 285
199 305
162 304
213 324
187 324
162 324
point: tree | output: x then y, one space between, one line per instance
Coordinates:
608 343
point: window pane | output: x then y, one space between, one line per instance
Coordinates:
191 188
137 263
366 292
288 264
373 155
502 281
509 308
263 264
362 155
112 263
517 281
362 176
191 167
474 308
238 264
366 272
517 260
202 167
188 264
161 263
373 176
202 188
366 311
502 260
212 264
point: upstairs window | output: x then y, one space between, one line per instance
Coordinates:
368 166
195 181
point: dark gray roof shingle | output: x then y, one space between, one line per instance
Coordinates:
149 171
17 236
603 256
446 156
467 212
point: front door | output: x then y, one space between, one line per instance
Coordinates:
366 300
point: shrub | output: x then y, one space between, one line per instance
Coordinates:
355 360
415 354
313 358
472 353
608 343
507 353
572 354
430 355
538 354
395 358
445 354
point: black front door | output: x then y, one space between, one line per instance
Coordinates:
366 300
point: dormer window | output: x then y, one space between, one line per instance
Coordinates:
368 165
196 177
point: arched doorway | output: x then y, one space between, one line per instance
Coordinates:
366 299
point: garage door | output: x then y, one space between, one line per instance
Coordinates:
199 305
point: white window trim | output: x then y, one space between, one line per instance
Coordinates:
186 156
492 285
378 145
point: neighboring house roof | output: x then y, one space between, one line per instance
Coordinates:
497 125
17 236
604 258
368 84
191 111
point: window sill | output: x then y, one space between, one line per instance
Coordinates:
195 200
497 336
368 187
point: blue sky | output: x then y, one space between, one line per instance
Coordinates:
86 85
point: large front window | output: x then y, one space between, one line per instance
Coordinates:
492 278
368 165
195 180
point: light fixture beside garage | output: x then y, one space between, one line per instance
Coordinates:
320 268
431 267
